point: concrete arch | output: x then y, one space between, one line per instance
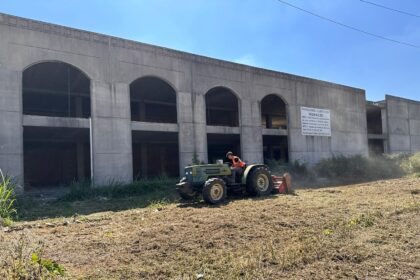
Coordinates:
67 88
65 61
167 88
277 95
236 112
275 116
169 83
286 106
56 155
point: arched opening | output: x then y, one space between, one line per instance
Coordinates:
152 100
59 154
155 153
273 112
274 117
222 107
55 89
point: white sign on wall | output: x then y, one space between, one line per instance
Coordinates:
315 122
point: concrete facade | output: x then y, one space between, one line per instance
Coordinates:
403 125
112 64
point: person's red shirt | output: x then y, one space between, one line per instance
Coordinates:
237 162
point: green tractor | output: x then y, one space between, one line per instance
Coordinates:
214 181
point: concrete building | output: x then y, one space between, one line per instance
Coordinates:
393 125
79 105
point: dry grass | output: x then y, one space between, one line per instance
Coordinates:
365 231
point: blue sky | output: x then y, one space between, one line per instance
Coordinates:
263 33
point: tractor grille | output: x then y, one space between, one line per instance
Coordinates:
212 171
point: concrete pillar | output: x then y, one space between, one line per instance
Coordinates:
11 131
251 132
186 135
111 133
384 122
385 129
200 133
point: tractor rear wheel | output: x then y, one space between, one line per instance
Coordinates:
214 191
260 182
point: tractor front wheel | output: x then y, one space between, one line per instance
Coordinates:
260 182
214 191
185 190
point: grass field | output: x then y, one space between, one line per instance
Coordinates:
364 231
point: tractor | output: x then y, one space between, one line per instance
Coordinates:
214 181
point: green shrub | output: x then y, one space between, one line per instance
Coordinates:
85 190
24 260
7 199
49 266
411 164
358 168
295 167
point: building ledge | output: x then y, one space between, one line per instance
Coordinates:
275 131
150 126
45 121
223 129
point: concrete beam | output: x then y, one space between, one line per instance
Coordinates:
222 129
44 121
149 126
275 131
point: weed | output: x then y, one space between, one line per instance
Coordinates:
48 265
327 232
25 262
408 208
158 204
7 199
84 190
411 164
363 220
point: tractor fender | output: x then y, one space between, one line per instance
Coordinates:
248 170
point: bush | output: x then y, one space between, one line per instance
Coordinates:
295 168
411 164
84 190
7 199
358 168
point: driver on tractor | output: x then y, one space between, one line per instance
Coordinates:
237 166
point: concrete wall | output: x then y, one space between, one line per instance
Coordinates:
112 64
403 118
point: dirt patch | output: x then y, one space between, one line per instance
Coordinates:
359 231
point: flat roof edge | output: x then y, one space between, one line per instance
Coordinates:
388 96
36 25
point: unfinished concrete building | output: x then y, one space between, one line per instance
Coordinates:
393 125
77 105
